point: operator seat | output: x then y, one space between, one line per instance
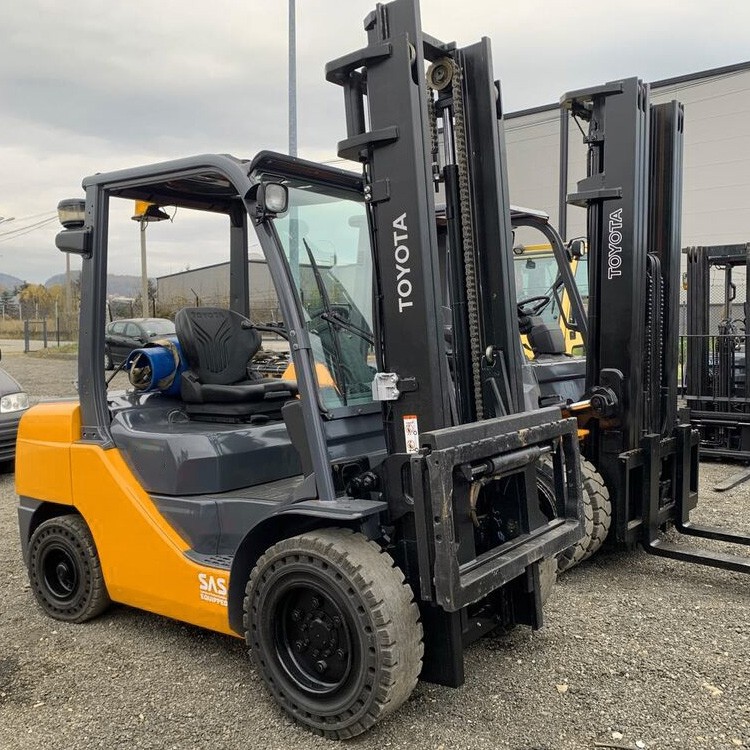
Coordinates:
217 345
544 338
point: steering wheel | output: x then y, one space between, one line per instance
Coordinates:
537 304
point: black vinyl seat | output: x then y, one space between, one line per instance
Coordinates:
543 337
217 345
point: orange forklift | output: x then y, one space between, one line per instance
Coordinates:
357 533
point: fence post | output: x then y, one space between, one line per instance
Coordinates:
44 332
25 336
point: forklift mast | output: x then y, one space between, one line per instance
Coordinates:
632 193
616 197
385 87
460 476
715 348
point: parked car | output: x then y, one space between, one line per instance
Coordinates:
14 401
122 336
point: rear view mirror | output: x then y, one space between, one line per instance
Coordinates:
576 248
76 241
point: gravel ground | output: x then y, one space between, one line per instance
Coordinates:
637 651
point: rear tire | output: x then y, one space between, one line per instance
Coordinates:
333 630
65 572
109 363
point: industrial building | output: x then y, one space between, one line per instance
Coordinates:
209 285
716 190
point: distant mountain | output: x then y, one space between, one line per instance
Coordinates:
59 278
119 286
9 282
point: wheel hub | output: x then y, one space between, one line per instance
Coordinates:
60 573
312 640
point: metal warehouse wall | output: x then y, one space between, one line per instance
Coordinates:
716 194
210 286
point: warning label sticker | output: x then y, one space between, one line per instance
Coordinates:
411 433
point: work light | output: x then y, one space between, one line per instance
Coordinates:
275 197
72 212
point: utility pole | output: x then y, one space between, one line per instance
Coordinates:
68 289
144 272
294 238
146 212
292 79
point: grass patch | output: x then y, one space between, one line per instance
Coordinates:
64 351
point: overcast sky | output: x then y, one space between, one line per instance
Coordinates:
89 86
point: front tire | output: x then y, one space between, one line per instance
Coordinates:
597 510
65 572
334 631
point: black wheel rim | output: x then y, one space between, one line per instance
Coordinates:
60 572
312 638
547 501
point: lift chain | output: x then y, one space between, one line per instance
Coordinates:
434 144
467 225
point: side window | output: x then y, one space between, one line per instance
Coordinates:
132 331
117 328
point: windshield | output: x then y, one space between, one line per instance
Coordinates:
535 277
536 274
326 241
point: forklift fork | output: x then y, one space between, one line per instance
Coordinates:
685 499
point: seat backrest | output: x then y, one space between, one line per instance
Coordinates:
546 338
217 343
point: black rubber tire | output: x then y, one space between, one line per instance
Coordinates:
601 505
64 570
597 510
379 620
109 363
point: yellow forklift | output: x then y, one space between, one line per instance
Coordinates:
537 276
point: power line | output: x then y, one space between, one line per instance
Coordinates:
20 230
6 236
33 216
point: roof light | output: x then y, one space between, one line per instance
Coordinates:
72 212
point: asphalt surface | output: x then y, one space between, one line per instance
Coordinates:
636 651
